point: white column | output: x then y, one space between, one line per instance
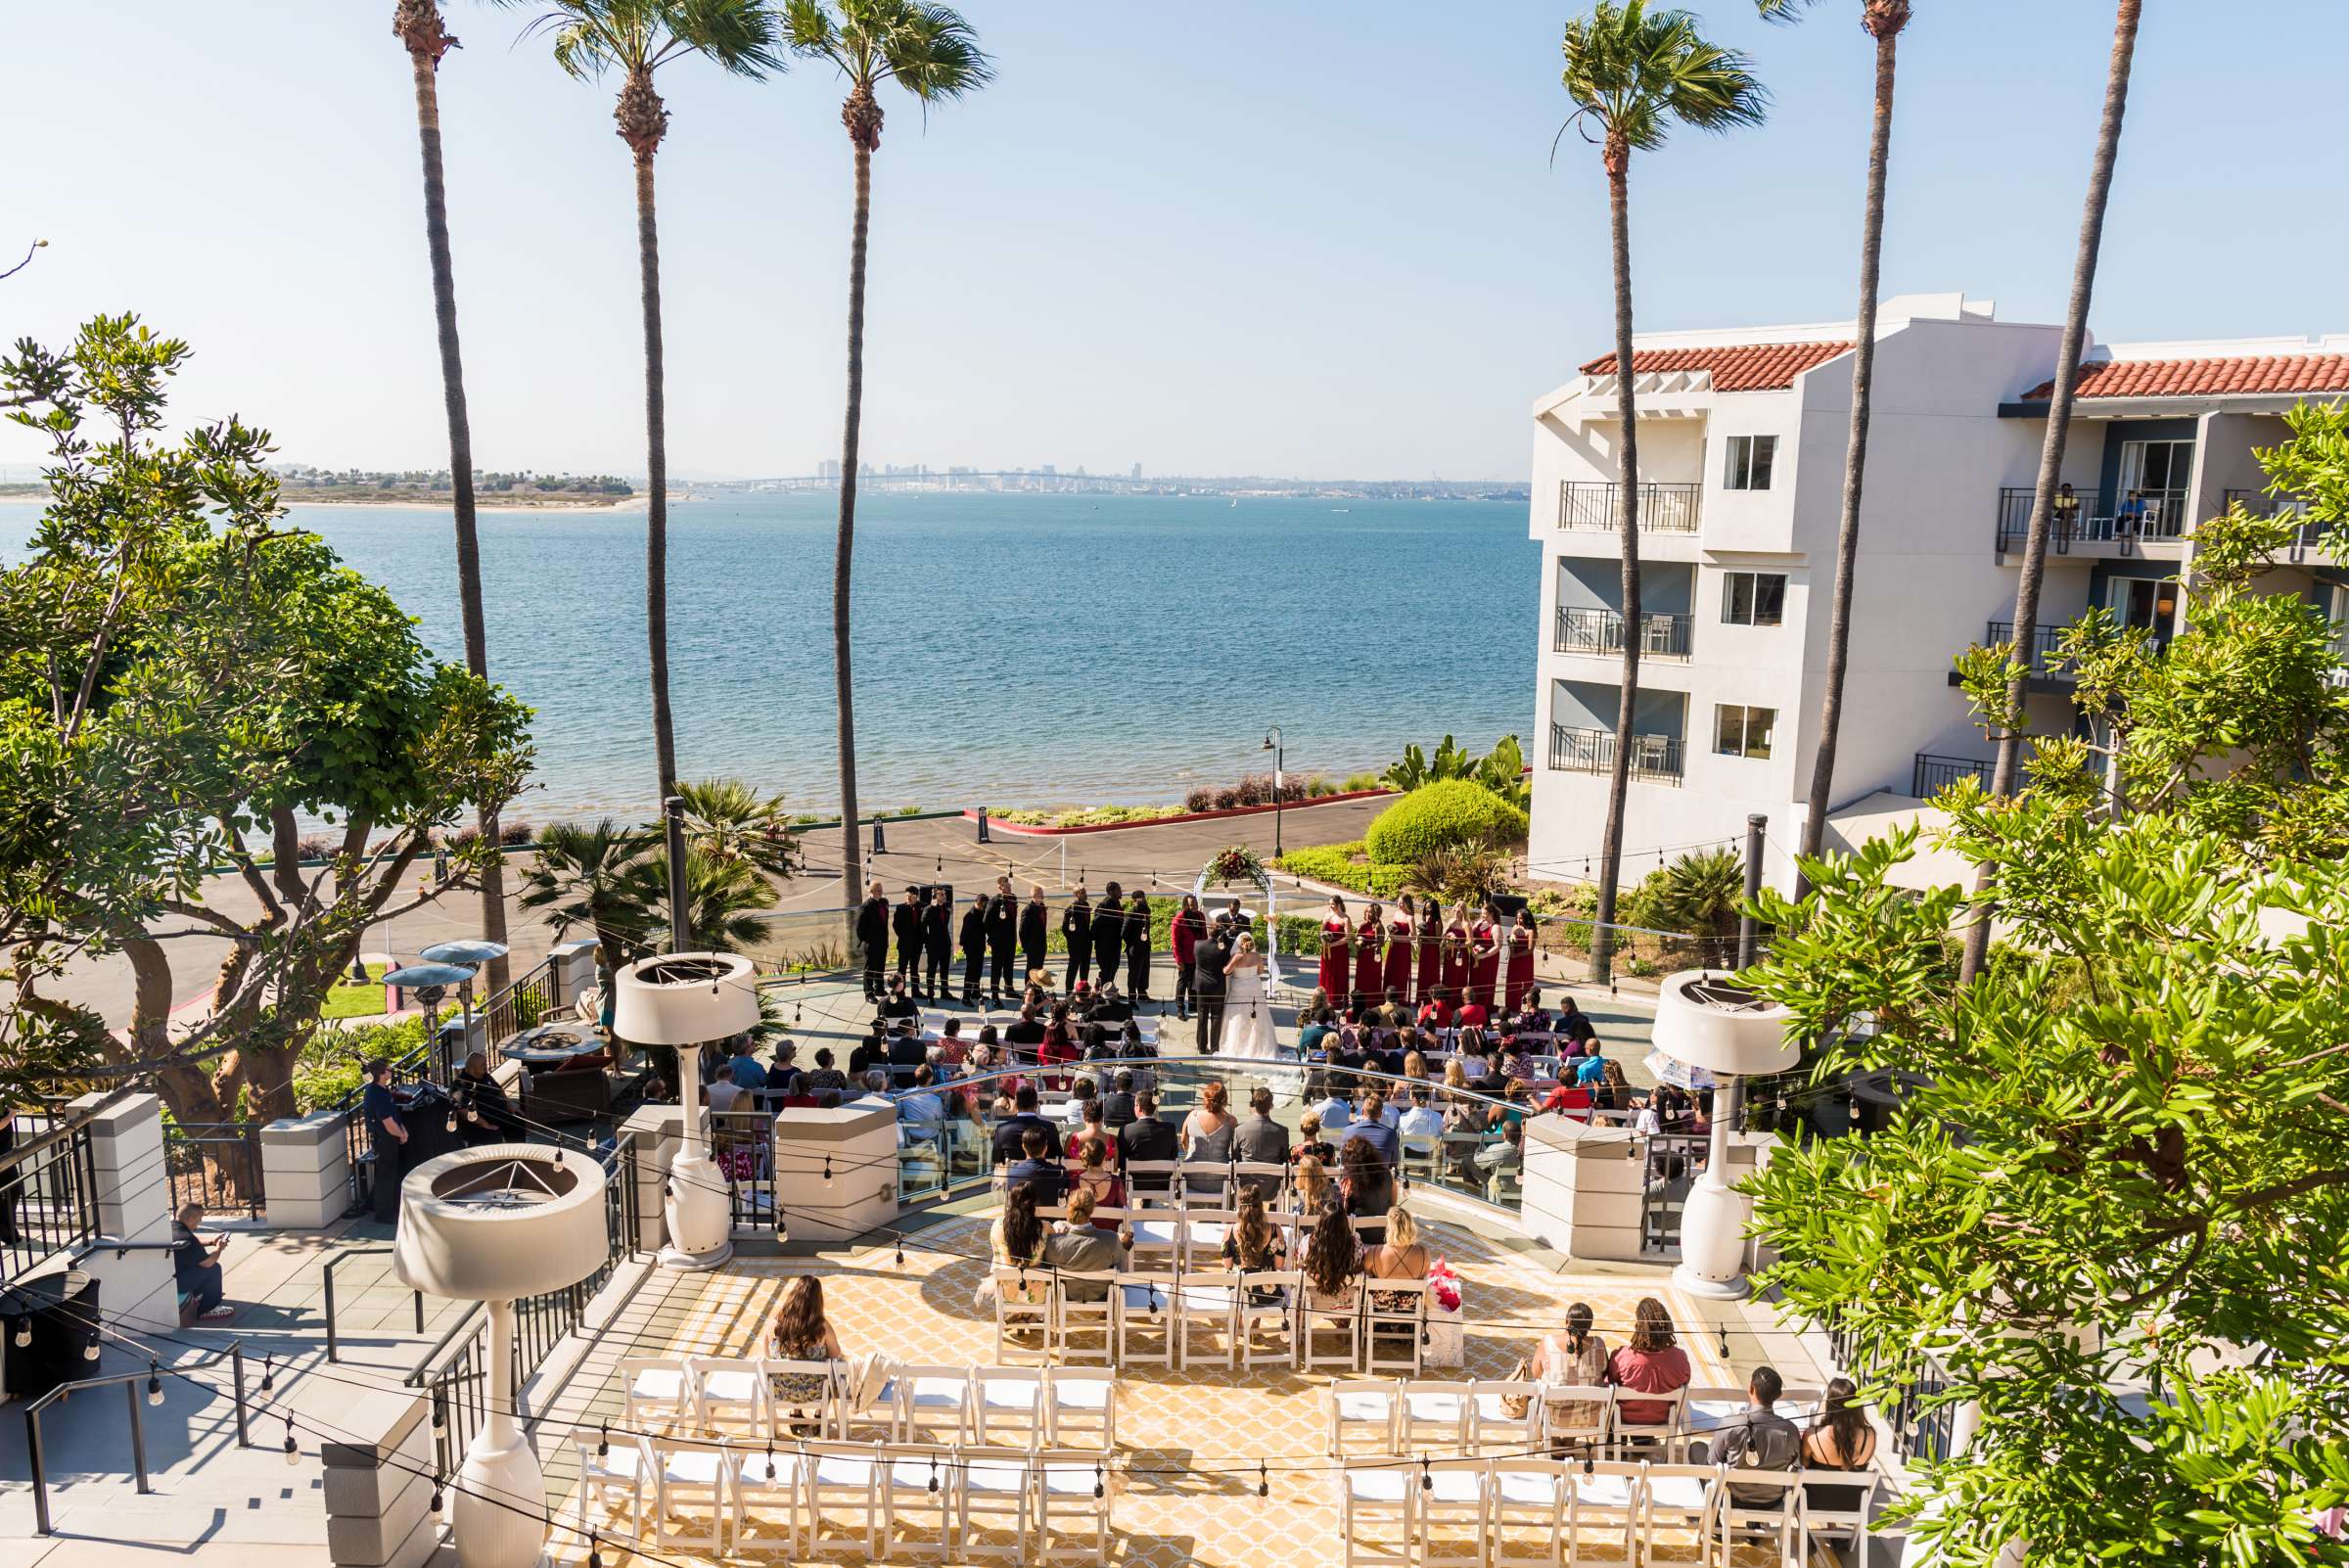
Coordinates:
701 1223
133 1202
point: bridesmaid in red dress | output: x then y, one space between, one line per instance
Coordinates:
1484 965
1399 952
1521 961
1429 941
1369 973
1335 928
1455 979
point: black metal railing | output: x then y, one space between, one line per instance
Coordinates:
743 1144
217 1163
1929 774
2259 503
1585 630
1912 1385
48 1193
1654 757
1666 1177
1599 505
525 1005
133 1383
2148 514
2043 641
333 1337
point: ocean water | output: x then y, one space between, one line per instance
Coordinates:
1010 650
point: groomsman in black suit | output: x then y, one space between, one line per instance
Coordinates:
872 935
1077 930
974 947
938 942
1212 955
906 920
1109 936
1002 928
1032 927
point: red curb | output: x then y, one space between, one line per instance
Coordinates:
1033 830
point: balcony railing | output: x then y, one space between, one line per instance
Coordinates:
2147 515
1585 630
1931 774
2044 640
1654 757
2259 503
1663 508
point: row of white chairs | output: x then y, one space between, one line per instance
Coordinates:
957 1502
1404 1512
1022 1407
1388 1416
1263 1317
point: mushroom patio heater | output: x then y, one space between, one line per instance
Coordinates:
1733 1034
469 953
430 980
689 999
494 1224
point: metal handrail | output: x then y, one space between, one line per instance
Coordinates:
328 1274
234 1351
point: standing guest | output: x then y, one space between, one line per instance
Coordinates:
1002 927
1369 960
1033 928
195 1264
1395 979
1576 1359
938 944
800 1332
387 1136
1208 963
974 948
1183 936
1109 936
1651 1364
1453 981
1427 951
1336 977
906 921
1520 962
1483 957
2066 508
1137 946
1763 1441
1077 932
872 935
1574 1022
1260 1141
1843 1440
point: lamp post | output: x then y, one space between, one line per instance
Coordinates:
1273 745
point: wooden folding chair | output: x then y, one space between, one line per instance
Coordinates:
1009 1396
1452 1492
1264 1330
1526 1509
1077 1485
1341 1317
609 1470
689 1473
993 1492
766 1476
1146 1315
1023 1312
658 1394
1395 1325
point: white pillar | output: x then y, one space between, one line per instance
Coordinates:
701 1222
132 1198
500 1486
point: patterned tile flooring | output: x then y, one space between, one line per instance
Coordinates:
1183 1486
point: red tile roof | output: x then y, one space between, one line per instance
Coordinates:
1751 367
2249 375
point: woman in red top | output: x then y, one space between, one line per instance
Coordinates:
1521 961
1455 979
1190 923
1428 940
1335 928
1058 1049
1370 972
1651 1364
1483 957
1399 952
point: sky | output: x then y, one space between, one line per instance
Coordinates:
1225 237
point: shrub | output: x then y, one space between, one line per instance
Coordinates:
1227 799
515 835
1363 781
316 846
1200 798
1318 786
1255 789
1436 816
1345 865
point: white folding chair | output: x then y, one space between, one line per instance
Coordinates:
1575 1418
1422 1156
1394 1325
929 1403
689 1473
766 1478
1677 1496
917 1485
842 1486
1205 1183
1854 1524
1011 1398
1492 1428
1203 1233
658 1394
1341 1317
1263 1330
1023 1311
814 1415
1265 1177
1150 1184
1080 1409
1748 1518
1604 1507
1085 1308
730 1392
1373 1493
1366 1406
1154 1239
993 1494
1146 1327
1660 1438
1526 1507
1452 1492
1077 1485
1206 1298
609 1470
1433 1415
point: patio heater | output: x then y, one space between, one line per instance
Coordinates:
494 1224
469 953
688 1000
1733 1034
430 980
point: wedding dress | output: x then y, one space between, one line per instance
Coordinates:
1247 1016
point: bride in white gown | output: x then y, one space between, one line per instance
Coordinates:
1247 1009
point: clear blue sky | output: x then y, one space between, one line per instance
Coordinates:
1240 236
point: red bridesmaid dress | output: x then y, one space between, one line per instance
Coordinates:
1368 974
1485 967
1521 966
1430 956
1455 962
1334 978
1399 957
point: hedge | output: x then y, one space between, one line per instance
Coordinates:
1343 865
1436 816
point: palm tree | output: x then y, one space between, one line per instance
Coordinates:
726 819
1883 20
1633 73
723 899
932 53
588 877
637 37
2051 454
1699 894
417 26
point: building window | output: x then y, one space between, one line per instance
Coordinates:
1752 598
1743 732
1750 459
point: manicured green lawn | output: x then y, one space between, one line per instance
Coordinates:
349 1000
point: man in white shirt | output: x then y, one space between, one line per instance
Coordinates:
1422 1124
920 1103
1335 1112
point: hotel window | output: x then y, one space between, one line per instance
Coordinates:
1749 462
1743 732
1752 598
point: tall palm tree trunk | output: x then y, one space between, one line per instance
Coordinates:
417 22
863 118
2051 454
640 109
1885 21
1611 864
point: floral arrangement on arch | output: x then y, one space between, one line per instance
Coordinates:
1239 863
1443 1285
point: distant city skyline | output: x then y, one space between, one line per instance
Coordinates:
1335 252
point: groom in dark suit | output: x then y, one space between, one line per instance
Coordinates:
1212 953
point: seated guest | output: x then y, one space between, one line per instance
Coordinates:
951 1046
1843 1440
1591 1068
1112 1008
1499 1160
1573 1023
1316 1192
1422 1124
1575 1358
1367 1184
1059 1050
195 1264
1117 1106
1011 1136
1313 1031
1147 1138
870 1052
897 1004
1569 1100
1763 1441
826 1076
1336 1111
1456 1076
1090 1131
1473 1014
800 1332
1516 1062
1435 1013
1260 1141
1332 1262
922 1104
784 1079
1390 1013
1612 1092
1413 1065
1651 1364
483 1115
1371 1127
907 1053
1100 1043
1099 1178
1309 1144
1469 1052
1400 1257
1083 1246
1039 1171
1253 1246
744 1068
1016 1241
722 1094
1026 1031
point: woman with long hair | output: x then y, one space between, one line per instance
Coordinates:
1367 1185
1369 960
1396 979
1017 1240
1402 1256
1427 944
1331 1262
1651 1364
1483 957
1520 970
1094 1173
1334 978
1843 1440
800 1332
1453 984
1253 1245
1575 1358
1316 1194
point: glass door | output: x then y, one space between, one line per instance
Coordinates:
2154 476
2146 604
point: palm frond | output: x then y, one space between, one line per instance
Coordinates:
1783 10
739 34
928 49
1637 71
935 56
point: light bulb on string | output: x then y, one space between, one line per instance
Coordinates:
435 1503
154 1383
90 1351
595 1552
23 1334
827 1170
268 1373
782 1227
603 1443
293 1449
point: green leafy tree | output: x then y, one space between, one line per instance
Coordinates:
1634 72
932 53
1501 770
634 39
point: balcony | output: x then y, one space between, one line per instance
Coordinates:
2043 641
1598 507
1655 758
1929 774
1583 631
2099 528
2308 544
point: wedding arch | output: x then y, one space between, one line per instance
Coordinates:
1241 866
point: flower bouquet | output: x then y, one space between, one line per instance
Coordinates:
1239 863
1443 1285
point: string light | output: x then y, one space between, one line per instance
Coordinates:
827 1170
1427 1478
595 1550
155 1382
1264 1482
23 1334
603 1443
90 1351
268 1373
435 1504
293 1449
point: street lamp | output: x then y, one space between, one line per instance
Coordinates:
1273 745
